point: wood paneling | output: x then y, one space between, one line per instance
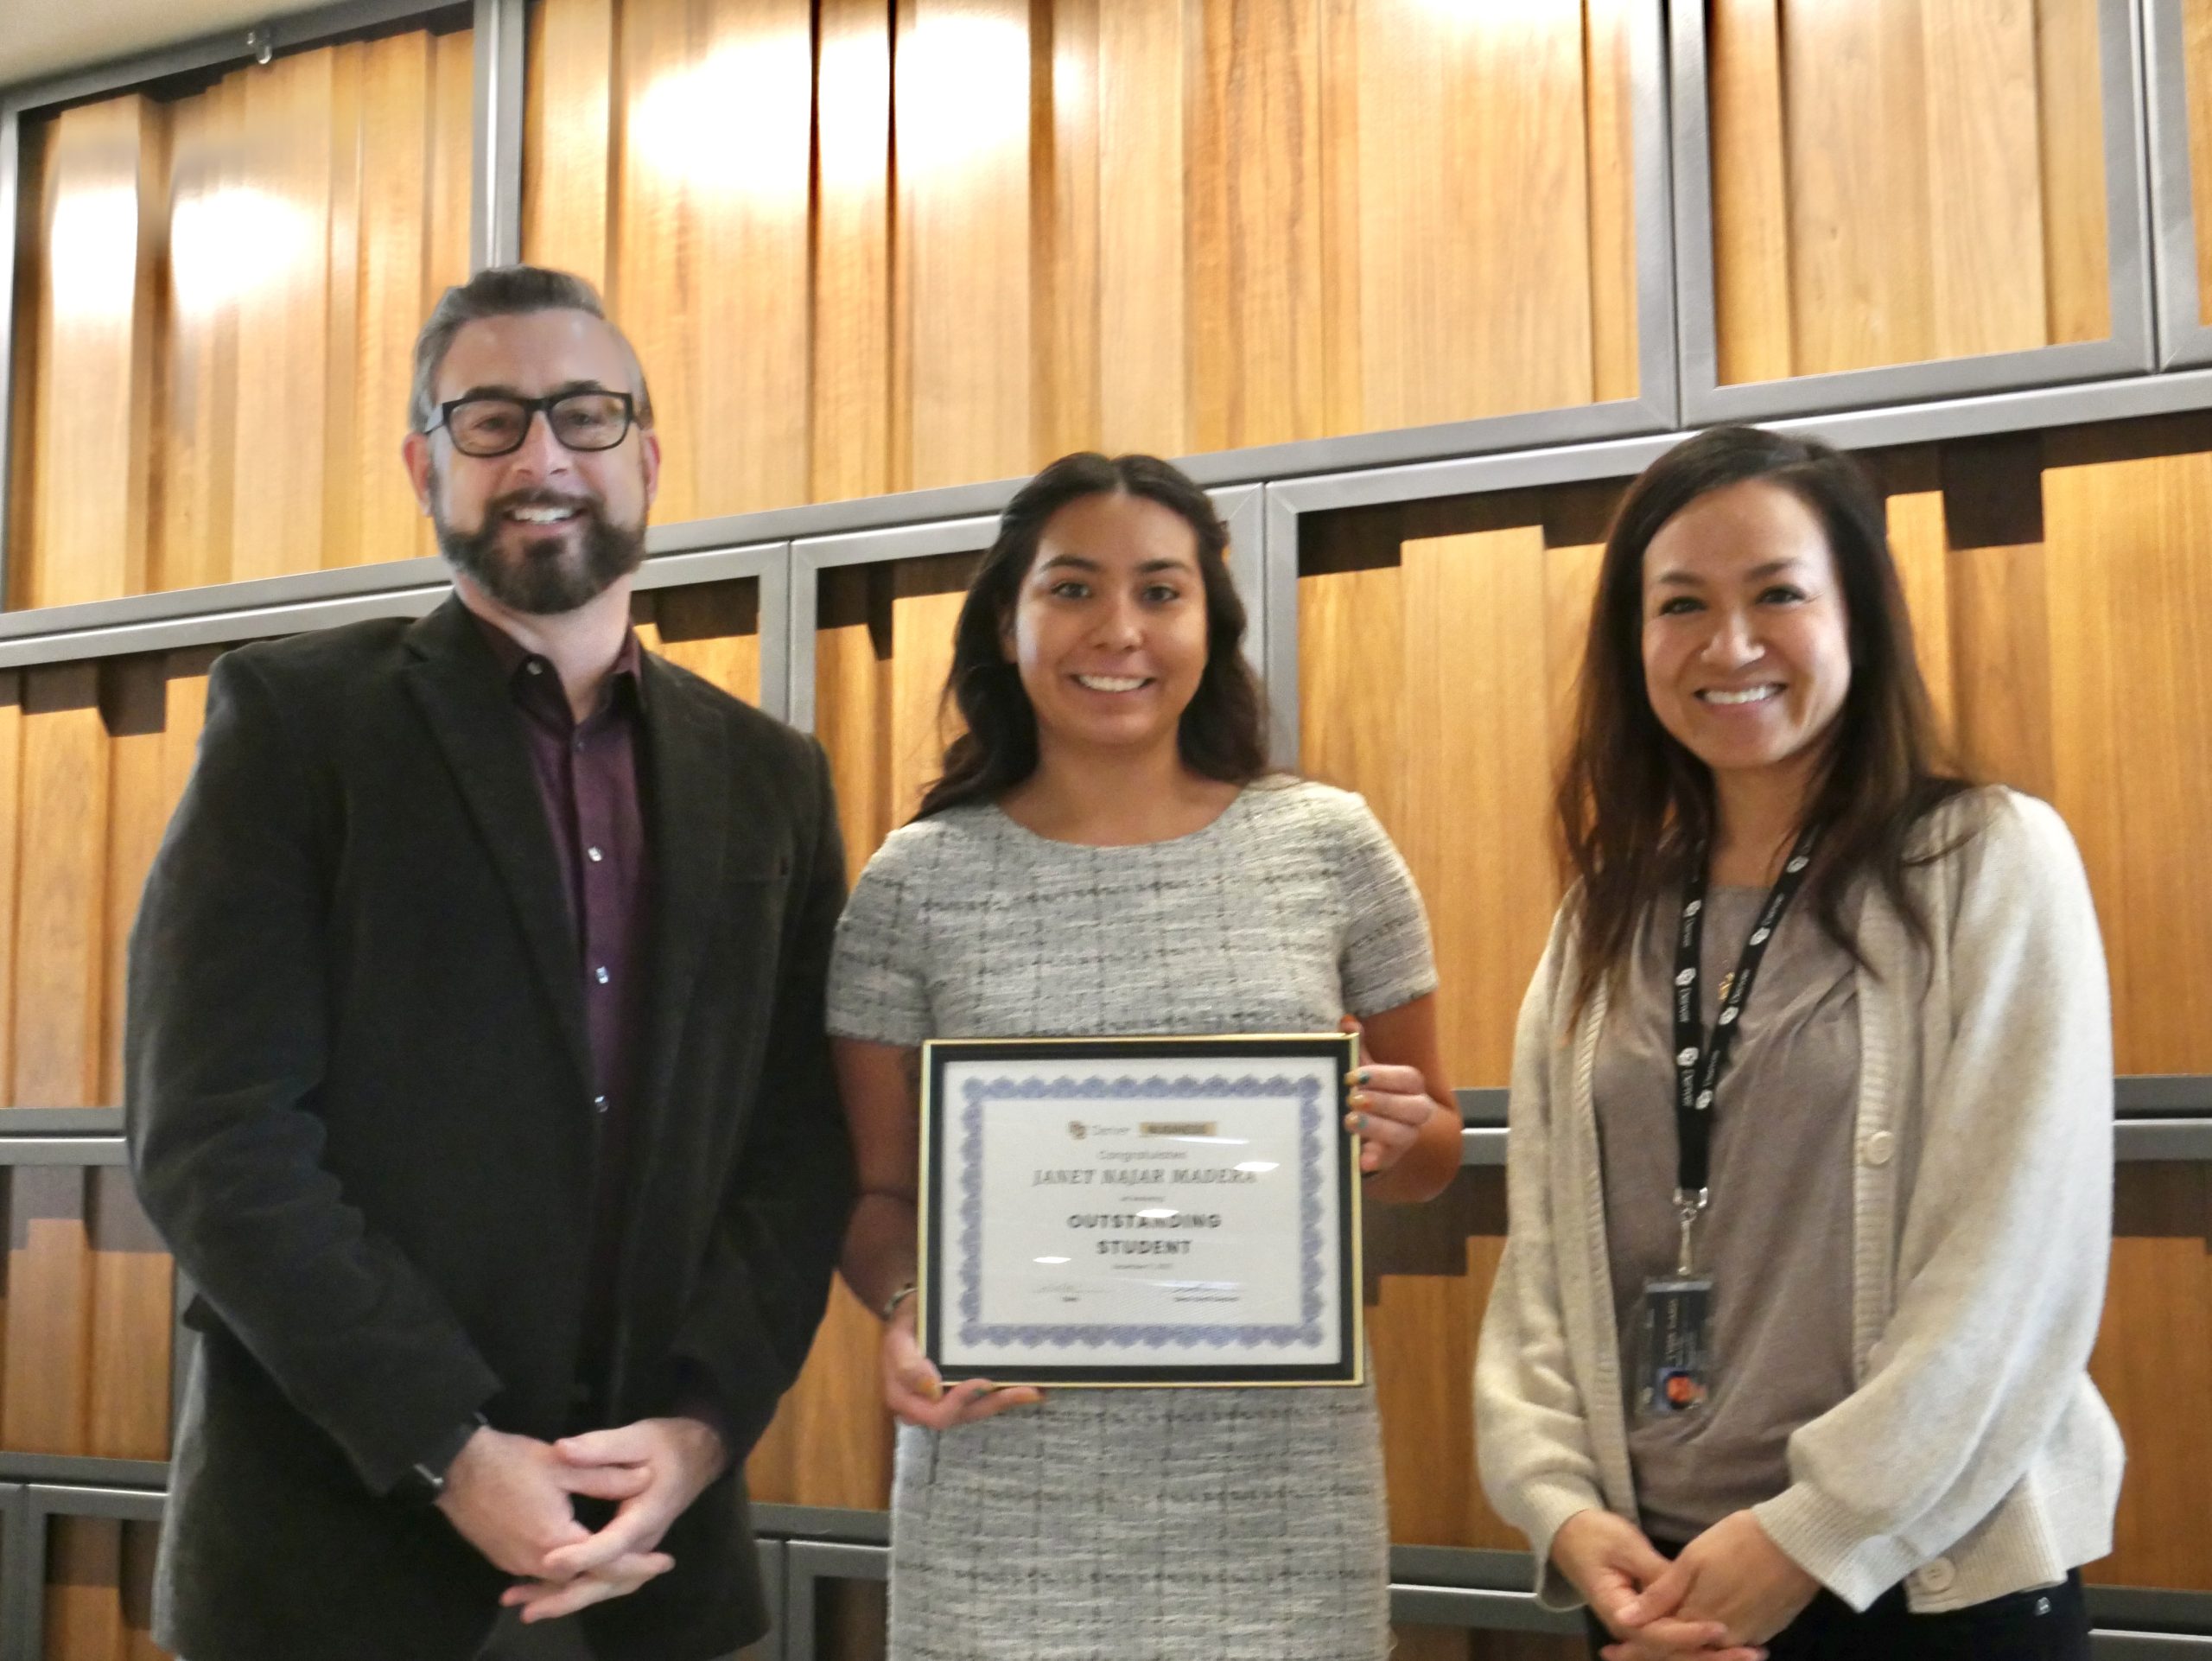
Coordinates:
1901 181
2196 58
193 414
46 1381
99 1576
1162 225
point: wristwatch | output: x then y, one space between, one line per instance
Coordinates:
424 1481
891 1304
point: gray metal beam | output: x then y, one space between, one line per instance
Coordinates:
22 1576
214 51
495 192
2135 1141
61 1122
63 1150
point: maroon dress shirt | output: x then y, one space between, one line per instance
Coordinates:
587 775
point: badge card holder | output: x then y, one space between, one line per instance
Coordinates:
1675 1370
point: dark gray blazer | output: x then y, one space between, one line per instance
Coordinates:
359 1101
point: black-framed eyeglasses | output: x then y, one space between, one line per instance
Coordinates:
493 424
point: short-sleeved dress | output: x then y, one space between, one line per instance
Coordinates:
1133 1525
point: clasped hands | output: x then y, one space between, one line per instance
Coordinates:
512 1498
1731 1590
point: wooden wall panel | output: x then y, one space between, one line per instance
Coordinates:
1161 225
850 444
568 142
712 629
1462 317
133 1309
1398 640
2196 58
1904 180
2130 610
961 116
60 958
99 1576
47 1385
98 193
193 416
2155 1349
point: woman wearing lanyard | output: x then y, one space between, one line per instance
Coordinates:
1809 1172
1107 856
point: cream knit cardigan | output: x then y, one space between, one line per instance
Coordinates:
1974 1458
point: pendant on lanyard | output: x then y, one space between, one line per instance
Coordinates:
1675 1369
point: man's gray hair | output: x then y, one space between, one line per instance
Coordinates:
504 291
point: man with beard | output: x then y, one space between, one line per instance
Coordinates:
476 1073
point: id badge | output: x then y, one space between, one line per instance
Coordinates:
1674 1368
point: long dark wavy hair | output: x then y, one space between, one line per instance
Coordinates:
1634 804
1224 730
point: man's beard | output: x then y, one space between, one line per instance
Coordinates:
546 578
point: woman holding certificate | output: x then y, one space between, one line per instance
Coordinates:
1811 1126
1108 856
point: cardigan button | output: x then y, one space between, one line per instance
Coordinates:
1879 1149
1937 1575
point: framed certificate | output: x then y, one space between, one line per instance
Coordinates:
1141 1211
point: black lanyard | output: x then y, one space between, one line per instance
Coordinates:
1698 1058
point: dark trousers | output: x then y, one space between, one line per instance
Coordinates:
2051 1623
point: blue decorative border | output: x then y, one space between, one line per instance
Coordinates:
1306 1332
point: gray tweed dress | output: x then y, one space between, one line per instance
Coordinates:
1132 1524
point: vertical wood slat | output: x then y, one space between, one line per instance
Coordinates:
712 629
1255 232
100 199
961 109
748 150
83 1589
850 449
2130 608
2077 280
1751 199
283 342
1065 137
1609 96
127 1407
1854 93
1143 326
1458 316
2154 1349
1984 176
198 424
60 956
2196 58
47 1385
569 138
926 595
1919 544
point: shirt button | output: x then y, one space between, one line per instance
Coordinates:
535 667
594 855
601 975
598 1104
1937 1575
577 744
1879 1149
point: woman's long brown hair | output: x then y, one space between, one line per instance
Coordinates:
1634 805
